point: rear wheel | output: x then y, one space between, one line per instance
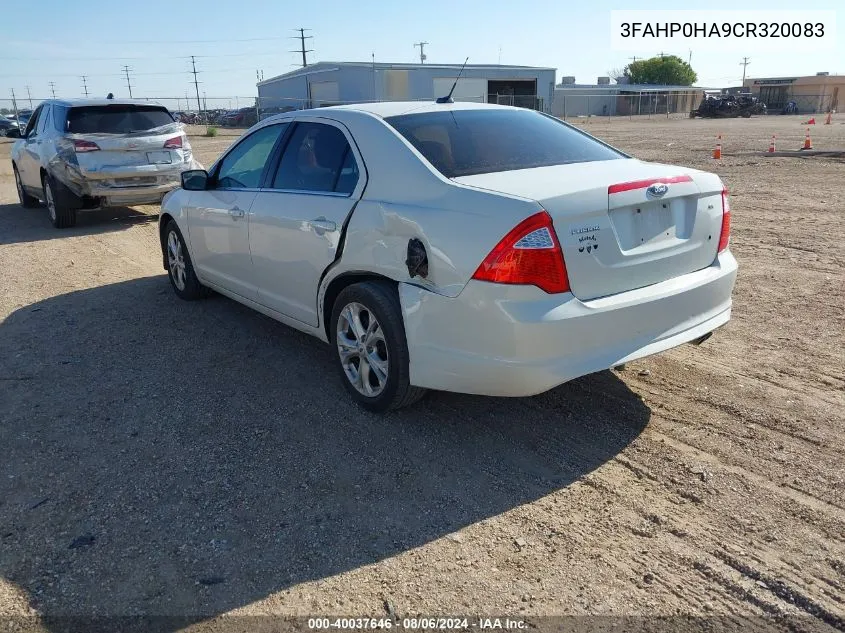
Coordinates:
369 339
27 201
61 203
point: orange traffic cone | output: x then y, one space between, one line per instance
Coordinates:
808 144
827 120
812 121
717 153
772 145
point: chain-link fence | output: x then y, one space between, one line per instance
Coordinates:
574 103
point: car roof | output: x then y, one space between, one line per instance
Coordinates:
394 108
76 103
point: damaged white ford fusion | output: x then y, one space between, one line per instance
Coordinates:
88 153
454 246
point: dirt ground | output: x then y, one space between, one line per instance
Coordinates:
198 459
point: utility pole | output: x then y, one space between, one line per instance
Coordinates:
745 61
422 51
85 84
633 59
374 76
15 106
53 89
689 62
302 37
126 70
196 84
29 96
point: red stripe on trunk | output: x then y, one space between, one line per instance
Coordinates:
642 184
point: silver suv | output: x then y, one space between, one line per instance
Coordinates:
89 153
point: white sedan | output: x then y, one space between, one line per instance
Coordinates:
454 246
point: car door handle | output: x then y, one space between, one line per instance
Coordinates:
321 225
236 212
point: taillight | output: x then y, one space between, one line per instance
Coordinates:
173 143
529 255
85 146
725 235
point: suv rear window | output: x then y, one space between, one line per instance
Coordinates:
116 119
469 142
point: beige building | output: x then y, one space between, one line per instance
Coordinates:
816 93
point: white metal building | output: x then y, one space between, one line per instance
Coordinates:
330 83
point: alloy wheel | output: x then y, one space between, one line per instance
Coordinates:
176 260
51 203
362 349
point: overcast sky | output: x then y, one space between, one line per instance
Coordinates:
64 40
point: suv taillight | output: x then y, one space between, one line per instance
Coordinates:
529 255
173 143
85 146
725 235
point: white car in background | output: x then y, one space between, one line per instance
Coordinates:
462 247
89 153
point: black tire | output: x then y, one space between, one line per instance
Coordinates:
27 201
191 289
381 299
61 203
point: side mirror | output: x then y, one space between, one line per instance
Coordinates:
13 133
195 180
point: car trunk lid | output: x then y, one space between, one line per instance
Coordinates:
617 231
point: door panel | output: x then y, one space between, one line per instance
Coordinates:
29 166
218 219
219 233
293 238
295 223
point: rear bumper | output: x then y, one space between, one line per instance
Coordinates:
519 341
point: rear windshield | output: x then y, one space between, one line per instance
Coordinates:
468 142
116 119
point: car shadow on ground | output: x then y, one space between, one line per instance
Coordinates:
18 225
184 459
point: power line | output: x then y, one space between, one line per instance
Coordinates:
126 70
302 37
422 51
745 61
85 84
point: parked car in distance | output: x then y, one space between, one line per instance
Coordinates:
245 117
8 127
89 153
454 246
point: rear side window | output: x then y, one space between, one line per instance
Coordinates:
116 119
467 142
317 158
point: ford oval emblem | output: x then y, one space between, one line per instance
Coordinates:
658 189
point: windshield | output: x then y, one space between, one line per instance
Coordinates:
116 119
468 142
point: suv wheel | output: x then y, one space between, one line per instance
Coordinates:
26 200
60 203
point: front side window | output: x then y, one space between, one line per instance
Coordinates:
33 121
242 167
317 158
468 142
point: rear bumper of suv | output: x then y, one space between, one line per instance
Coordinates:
116 186
500 340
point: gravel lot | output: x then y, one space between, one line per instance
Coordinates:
197 459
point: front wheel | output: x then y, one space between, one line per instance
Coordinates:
369 339
180 268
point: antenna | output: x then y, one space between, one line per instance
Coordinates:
422 51
448 97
